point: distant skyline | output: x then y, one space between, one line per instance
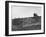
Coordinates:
25 11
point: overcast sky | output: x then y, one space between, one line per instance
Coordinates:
25 11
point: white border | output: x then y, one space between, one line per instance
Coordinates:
29 31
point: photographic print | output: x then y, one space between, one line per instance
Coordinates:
24 18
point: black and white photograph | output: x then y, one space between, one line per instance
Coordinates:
25 18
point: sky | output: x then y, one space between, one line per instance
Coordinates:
25 11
